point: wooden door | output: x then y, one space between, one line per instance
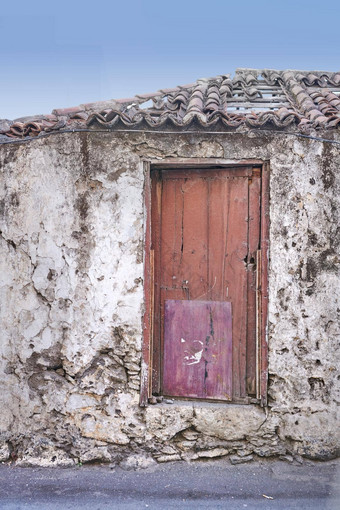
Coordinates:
205 239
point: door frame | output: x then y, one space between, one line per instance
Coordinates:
262 280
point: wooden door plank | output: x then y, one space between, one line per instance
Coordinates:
258 323
253 246
166 294
236 279
198 349
193 265
218 210
156 209
190 173
171 233
152 322
264 281
171 230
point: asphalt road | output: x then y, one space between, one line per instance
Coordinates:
217 484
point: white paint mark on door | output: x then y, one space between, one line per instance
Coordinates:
193 358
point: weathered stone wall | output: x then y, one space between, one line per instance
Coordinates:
72 225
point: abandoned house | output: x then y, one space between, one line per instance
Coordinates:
170 275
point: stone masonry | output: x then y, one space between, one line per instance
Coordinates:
71 280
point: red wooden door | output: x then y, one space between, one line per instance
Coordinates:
205 235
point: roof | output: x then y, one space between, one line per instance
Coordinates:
255 98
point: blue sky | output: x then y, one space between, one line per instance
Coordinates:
63 53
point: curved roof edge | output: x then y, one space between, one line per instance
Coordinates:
253 98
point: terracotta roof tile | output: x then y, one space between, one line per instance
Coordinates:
169 91
149 96
256 98
67 111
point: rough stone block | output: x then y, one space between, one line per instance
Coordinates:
234 459
45 457
214 452
231 422
5 452
164 422
168 458
134 462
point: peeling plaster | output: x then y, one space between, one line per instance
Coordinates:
71 284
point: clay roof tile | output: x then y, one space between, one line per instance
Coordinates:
255 98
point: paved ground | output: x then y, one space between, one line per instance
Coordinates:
201 485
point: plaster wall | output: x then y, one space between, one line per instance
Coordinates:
71 290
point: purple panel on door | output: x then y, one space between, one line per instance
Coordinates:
198 349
